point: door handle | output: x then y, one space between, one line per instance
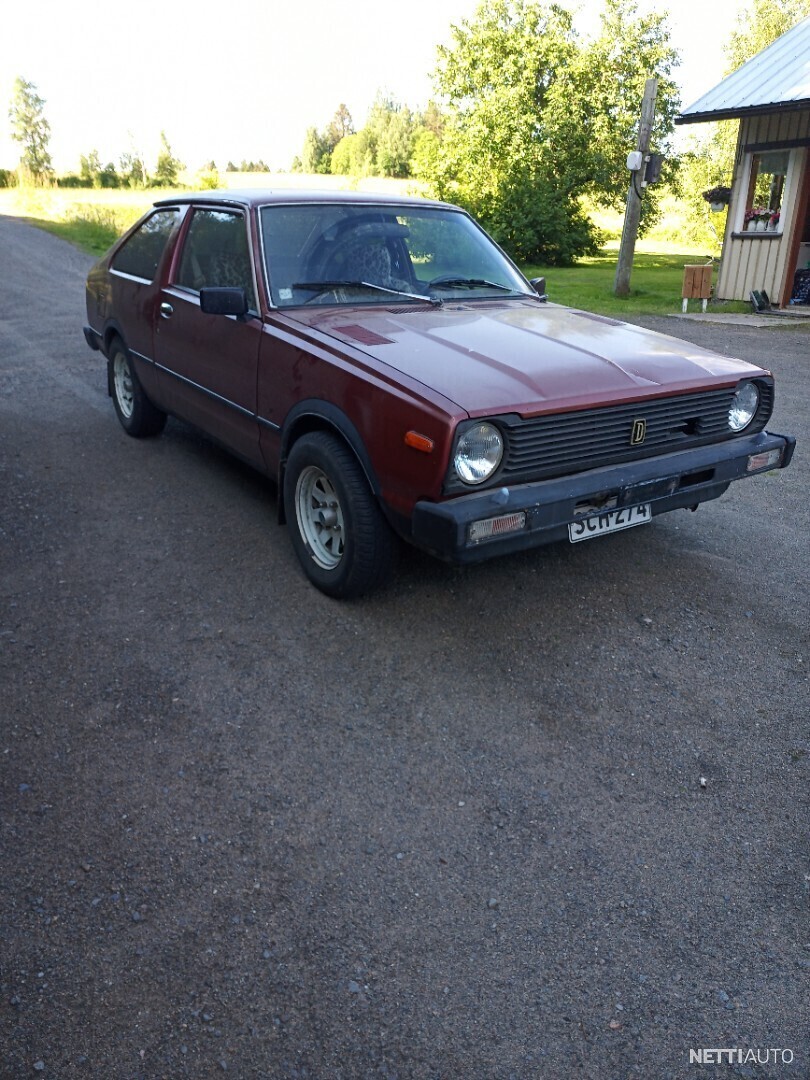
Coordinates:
166 310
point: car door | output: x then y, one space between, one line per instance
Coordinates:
208 363
129 294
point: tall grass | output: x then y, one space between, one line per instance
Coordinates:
90 219
92 228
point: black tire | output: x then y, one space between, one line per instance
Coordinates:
343 542
136 413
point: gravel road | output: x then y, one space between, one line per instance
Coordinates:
544 818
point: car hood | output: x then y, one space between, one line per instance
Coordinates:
523 355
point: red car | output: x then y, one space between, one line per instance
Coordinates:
389 367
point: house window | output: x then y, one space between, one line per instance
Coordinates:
766 188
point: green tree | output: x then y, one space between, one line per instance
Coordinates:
339 127
592 112
89 168
108 177
315 153
424 162
432 119
94 174
427 138
246 166
699 171
537 117
30 128
760 24
132 170
208 177
168 166
390 128
494 79
353 155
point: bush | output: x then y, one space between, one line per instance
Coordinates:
533 223
353 156
542 226
208 180
72 180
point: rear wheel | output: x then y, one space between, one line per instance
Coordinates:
340 536
138 416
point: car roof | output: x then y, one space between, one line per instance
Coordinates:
251 197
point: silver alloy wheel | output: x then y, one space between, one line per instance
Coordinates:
124 392
320 517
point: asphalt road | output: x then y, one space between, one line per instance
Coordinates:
544 818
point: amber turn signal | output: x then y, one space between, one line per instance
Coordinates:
419 442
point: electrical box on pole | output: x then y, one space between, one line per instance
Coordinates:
652 168
641 167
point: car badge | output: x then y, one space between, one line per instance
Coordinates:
639 432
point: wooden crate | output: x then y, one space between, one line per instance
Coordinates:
697 284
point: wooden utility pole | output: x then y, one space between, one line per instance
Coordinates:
632 213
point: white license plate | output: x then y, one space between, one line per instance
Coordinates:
609 522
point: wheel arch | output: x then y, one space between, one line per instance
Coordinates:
316 415
111 331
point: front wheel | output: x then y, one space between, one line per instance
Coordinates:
339 534
138 416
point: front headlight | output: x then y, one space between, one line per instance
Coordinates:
478 453
744 406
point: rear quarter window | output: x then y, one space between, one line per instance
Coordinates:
140 255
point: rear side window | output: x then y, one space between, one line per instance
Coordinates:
141 254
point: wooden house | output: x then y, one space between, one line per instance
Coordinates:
767 238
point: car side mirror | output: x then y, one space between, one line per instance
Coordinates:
539 286
216 300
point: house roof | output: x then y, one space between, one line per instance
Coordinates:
777 78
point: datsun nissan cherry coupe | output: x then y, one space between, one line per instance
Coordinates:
390 368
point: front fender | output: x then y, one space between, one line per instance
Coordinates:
315 414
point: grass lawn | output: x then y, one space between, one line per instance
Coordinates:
93 219
655 283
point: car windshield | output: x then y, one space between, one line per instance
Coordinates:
338 253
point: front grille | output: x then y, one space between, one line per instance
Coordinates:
565 443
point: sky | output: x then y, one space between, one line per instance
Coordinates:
245 82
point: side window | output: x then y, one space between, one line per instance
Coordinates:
766 188
141 254
216 253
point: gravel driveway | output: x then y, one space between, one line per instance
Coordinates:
544 818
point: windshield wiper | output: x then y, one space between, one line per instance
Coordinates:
467 283
319 287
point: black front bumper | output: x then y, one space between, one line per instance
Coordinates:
668 482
